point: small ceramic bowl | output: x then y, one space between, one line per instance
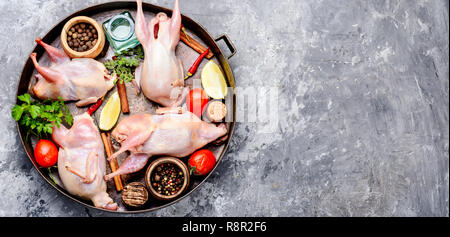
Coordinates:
164 160
91 53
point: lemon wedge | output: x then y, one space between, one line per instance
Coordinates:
110 113
213 81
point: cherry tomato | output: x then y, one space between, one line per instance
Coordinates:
202 162
46 153
196 101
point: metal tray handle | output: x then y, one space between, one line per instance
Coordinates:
228 42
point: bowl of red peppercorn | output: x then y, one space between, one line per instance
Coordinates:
166 178
82 37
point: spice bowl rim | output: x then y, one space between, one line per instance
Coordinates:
159 161
91 53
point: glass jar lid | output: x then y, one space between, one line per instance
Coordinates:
121 27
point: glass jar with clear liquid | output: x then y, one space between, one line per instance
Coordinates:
120 33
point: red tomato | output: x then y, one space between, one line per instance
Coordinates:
202 162
46 153
196 101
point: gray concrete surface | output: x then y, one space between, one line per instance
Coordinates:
363 109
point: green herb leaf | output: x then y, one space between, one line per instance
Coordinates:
25 98
34 111
38 116
125 63
69 119
39 128
48 108
48 128
16 112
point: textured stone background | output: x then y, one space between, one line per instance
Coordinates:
363 109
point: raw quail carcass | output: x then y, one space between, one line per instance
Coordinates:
82 79
81 161
176 133
161 75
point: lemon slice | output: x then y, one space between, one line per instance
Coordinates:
110 113
213 81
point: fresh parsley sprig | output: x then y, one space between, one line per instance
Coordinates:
38 116
125 62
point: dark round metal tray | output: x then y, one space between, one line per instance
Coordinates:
138 103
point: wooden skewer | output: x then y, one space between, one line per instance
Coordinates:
195 45
106 138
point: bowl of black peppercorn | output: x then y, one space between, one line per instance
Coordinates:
82 37
167 178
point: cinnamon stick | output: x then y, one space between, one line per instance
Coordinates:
195 45
123 97
106 138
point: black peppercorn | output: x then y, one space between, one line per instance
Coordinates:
80 37
167 179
